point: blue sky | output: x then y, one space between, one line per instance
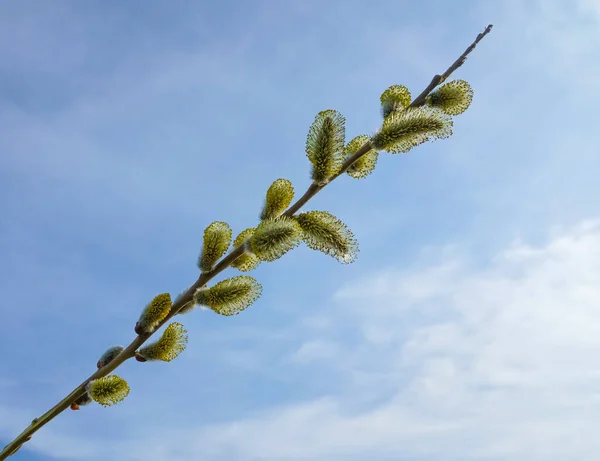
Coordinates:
467 329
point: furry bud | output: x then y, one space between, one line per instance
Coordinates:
110 354
396 97
172 343
275 237
453 98
279 196
324 232
230 296
247 261
108 390
324 145
154 313
365 165
403 130
81 401
217 238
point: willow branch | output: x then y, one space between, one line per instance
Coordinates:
205 277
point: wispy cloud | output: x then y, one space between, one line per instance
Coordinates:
508 372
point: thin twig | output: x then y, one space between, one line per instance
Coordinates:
438 79
205 277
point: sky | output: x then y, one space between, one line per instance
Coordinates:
469 327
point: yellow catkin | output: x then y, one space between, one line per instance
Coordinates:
365 165
275 237
154 313
247 261
324 232
396 97
279 196
172 343
452 98
324 145
403 130
217 238
230 296
108 390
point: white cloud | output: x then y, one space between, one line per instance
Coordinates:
510 371
316 350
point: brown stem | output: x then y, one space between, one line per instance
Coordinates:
312 190
205 277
